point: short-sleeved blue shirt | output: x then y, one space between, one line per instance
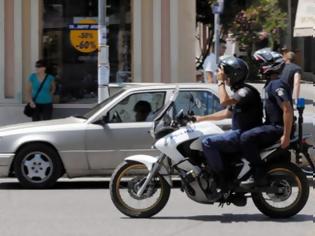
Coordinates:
44 97
277 92
247 113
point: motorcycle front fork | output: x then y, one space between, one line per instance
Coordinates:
152 173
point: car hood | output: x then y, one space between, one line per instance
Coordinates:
40 125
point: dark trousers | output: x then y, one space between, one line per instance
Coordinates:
43 112
212 146
253 140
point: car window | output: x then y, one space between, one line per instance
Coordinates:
199 102
100 106
139 107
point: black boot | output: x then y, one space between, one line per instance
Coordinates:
219 188
223 182
238 199
212 192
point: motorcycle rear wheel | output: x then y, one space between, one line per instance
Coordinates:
295 193
126 180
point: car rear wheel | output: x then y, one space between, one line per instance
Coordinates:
37 166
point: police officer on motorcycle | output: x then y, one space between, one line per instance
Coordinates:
244 107
278 111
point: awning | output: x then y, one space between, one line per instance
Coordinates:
305 19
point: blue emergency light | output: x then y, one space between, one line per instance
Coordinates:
300 103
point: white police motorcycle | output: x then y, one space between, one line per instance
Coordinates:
140 186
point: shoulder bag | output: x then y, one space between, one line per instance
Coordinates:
28 110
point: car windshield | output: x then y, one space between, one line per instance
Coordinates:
102 104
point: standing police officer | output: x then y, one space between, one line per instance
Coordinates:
278 110
244 107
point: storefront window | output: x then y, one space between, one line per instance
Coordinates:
69 44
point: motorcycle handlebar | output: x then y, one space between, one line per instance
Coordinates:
183 120
191 118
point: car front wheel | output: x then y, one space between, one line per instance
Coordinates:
37 166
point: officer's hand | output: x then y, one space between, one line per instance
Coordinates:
284 142
198 118
221 75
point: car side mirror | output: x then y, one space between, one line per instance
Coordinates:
105 118
103 121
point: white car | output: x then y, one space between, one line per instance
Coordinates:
38 153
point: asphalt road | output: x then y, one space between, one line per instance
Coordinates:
84 208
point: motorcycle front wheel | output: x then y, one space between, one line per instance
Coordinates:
293 192
126 180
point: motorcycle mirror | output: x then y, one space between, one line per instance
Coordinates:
105 118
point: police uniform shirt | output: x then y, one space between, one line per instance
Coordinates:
276 92
247 112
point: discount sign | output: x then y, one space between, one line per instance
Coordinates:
84 36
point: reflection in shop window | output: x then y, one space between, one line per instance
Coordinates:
69 44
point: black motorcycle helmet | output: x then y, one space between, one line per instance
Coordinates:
269 62
235 69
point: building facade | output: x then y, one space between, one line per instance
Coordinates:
304 47
149 41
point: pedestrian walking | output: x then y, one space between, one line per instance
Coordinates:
292 73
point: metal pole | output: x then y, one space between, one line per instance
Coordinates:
217 9
103 63
217 36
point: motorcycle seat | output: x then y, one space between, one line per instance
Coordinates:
277 145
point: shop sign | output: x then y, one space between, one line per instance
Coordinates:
84 36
